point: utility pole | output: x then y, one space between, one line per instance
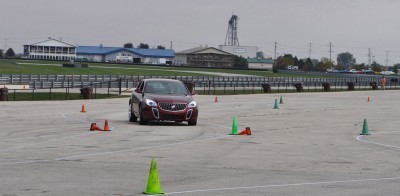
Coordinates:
5 44
275 50
330 51
171 45
369 57
309 52
387 58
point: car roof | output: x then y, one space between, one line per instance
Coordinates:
160 79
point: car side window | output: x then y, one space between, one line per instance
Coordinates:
141 86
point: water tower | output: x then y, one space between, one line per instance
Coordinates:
231 35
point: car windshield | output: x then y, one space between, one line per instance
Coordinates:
165 87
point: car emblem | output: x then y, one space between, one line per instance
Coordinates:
173 107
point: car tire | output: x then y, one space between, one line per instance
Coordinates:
142 121
131 115
192 123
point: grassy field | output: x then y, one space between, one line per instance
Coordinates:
54 67
44 96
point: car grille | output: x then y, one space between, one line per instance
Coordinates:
172 117
172 106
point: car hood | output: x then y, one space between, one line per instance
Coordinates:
169 98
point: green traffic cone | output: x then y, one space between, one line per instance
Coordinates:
153 183
365 128
276 104
281 101
234 127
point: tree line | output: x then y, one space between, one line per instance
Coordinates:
143 46
344 61
9 53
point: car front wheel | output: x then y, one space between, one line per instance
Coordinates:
192 123
142 121
131 115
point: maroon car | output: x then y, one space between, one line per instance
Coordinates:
162 100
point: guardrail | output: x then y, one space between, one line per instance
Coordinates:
4 80
206 83
25 78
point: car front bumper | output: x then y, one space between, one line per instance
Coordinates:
158 114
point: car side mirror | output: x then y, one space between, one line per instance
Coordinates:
138 90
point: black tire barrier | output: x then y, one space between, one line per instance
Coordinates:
374 85
298 86
4 94
87 92
327 86
350 86
266 88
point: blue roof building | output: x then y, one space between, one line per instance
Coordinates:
130 55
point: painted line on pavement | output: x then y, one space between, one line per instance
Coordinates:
283 185
360 138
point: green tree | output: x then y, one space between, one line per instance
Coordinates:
360 67
314 64
376 67
300 64
161 47
260 55
240 62
295 61
128 45
396 67
346 59
324 64
143 45
339 67
308 65
284 61
10 53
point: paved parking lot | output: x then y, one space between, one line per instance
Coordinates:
309 146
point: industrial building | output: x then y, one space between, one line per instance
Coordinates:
126 55
255 63
204 57
50 49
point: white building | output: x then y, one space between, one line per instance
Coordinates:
50 49
243 51
255 63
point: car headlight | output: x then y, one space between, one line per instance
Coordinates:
150 102
192 104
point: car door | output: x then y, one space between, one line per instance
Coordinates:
137 96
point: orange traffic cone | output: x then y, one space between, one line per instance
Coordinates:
216 99
106 126
83 108
94 127
369 100
247 131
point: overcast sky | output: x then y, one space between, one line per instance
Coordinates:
350 25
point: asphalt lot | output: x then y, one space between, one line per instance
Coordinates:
309 146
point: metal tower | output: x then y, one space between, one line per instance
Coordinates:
231 35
